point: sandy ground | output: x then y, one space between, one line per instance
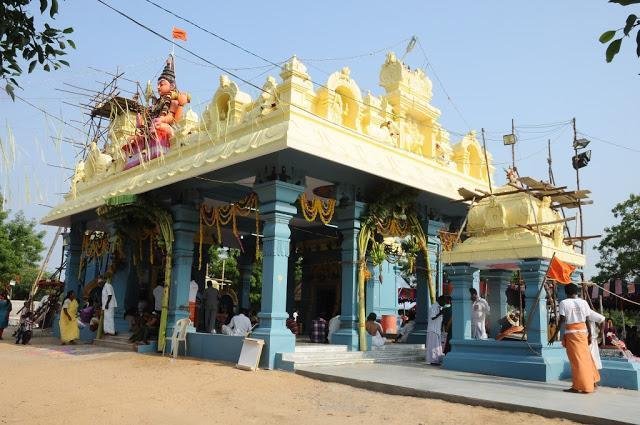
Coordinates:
48 384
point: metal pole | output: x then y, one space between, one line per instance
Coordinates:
513 146
575 152
486 160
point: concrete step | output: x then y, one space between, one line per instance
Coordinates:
324 348
319 355
399 347
117 342
364 360
350 354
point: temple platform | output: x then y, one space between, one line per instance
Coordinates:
510 359
605 406
308 355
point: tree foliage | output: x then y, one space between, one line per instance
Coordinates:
631 24
232 273
620 247
23 40
20 249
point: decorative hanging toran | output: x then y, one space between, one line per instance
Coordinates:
393 214
221 216
130 214
317 207
94 245
147 234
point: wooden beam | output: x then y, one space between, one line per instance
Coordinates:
571 204
581 238
562 220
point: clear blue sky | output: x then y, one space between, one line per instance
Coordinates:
537 62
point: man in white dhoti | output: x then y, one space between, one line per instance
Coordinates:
480 309
109 305
595 319
434 352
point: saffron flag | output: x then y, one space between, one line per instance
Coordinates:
560 271
179 34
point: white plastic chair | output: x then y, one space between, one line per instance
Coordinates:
179 335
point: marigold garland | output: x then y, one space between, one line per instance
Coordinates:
317 207
223 215
94 245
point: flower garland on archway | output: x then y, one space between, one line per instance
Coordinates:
316 207
94 245
130 214
393 214
221 216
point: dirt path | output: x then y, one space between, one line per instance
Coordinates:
50 384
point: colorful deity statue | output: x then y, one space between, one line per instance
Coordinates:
156 124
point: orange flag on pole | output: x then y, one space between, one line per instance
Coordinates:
560 271
179 34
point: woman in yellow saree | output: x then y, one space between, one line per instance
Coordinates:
69 330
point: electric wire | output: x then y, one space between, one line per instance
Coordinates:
270 61
609 143
444 90
233 74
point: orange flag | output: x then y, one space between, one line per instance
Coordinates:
560 271
179 34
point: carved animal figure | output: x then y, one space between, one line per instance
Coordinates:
97 162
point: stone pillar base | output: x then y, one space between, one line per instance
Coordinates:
122 326
511 359
275 341
417 337
348 337
620 373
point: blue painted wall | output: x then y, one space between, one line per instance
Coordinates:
214 346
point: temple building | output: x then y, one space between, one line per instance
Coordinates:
287 176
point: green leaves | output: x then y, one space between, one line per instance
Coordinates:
624 2
54 8
613 49
620 248
607 36
34 42
9 89
630 23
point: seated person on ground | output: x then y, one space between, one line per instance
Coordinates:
147 328
319 329
334 326
407 328
375 330
292 324
239 325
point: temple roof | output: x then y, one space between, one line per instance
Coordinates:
395 136
515 223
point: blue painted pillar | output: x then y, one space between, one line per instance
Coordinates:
120 281
435 252
461 276
533 272
71 280
349 225
185 226
245 266
423 301
74 250
497 284
276 209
